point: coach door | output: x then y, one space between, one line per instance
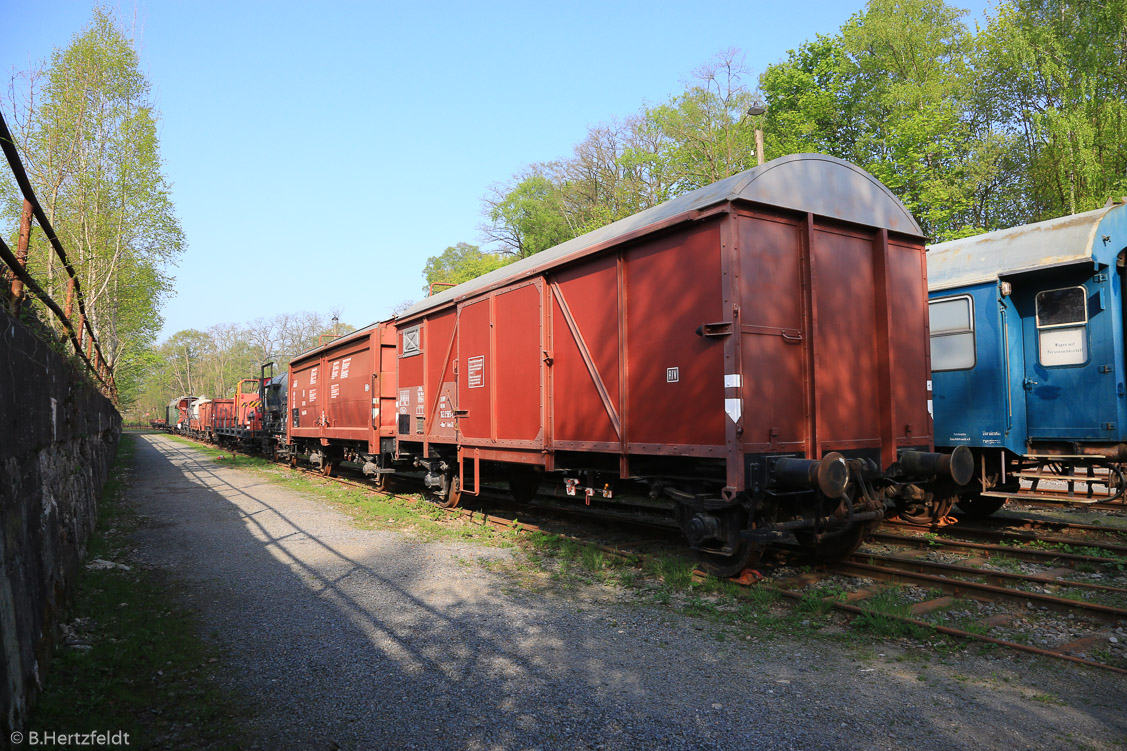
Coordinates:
1070 382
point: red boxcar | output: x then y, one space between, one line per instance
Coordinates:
755 351
343 395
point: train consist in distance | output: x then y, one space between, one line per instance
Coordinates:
752 355
1027 351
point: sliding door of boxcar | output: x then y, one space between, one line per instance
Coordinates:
347 393
774 335
500 377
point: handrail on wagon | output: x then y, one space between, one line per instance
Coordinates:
86 347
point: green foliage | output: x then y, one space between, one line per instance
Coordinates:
811 101
973 129
1064 64
888 613
892 93
594 560
1022 121
621 168
705 134
87 132
460 263
528 218
210 363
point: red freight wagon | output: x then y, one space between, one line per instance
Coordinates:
222 415
342 395
242 414
755 352
207 418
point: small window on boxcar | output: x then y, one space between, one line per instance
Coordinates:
952 333
1062 326
409 342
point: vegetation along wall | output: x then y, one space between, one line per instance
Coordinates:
58 437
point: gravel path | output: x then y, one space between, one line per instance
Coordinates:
357 639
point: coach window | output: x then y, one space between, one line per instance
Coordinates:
1062 326
409 343
952 333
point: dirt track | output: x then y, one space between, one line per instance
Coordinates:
365 640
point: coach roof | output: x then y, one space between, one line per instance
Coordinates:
1056 242
814 183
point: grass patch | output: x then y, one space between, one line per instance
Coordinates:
134 662
224 456
369 509
1047 699
819 601
884 614
1006 564
665 580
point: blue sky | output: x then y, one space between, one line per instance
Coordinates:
320 152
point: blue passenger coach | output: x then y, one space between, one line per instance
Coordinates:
1027 353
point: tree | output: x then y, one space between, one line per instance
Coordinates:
705 134
895 93
183 353
460 263
528 217
87 132
614 172
1061 73
811 101
212 362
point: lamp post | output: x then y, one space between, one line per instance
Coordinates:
336 320
756 110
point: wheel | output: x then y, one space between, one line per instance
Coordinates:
974 505
382 482
453 492
832 547
1116 482
293 461
716 541
935 506
746 555
977 507
523 486
327 467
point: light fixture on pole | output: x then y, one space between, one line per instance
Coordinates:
756 110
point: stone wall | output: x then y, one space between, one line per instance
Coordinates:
58 437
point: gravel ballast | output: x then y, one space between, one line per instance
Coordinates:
339 637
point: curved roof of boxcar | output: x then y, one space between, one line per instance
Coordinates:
342 339
983 258
814 183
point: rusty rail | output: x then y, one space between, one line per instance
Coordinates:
82 336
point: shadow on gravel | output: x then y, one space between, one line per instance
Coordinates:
349 638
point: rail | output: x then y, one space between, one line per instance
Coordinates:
82 336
